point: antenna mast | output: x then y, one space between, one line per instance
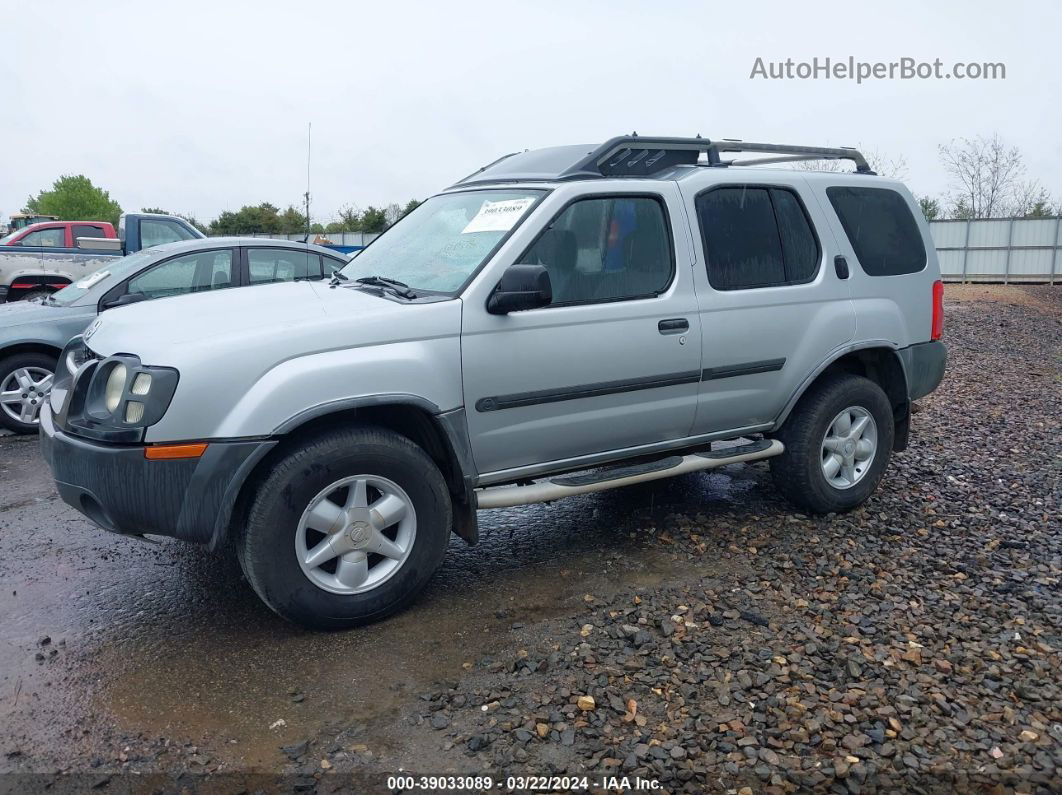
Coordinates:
306 196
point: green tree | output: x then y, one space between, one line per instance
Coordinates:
373 220
930 207
1041 209
75 198
411 205
960 210
263 217
292 221
348 219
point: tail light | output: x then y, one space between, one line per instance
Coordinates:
938 310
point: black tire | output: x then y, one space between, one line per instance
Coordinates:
798 471
10 364
266 545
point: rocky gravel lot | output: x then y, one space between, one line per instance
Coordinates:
719 642
912 645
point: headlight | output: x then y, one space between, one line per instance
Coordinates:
116 398
115 388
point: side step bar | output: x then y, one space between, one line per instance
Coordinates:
601 480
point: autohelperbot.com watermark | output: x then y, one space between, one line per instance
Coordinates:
864 71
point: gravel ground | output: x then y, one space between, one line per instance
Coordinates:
696 631
913 644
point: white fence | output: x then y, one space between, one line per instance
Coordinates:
989 250
337 239
999 249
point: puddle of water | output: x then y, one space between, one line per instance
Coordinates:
167 640
236 684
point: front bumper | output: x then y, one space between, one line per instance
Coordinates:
123 492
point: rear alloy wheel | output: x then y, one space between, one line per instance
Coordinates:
346 528
849 446
25 380
837 440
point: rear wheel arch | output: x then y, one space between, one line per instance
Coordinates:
880 364
26 283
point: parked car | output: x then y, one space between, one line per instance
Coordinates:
44 257
32 335
563 321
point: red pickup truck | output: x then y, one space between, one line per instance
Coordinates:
58 234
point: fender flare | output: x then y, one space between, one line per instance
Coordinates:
830 359
451 425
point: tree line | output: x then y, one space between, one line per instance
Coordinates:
75 198
987 178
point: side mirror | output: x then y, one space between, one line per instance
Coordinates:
125 300
521 287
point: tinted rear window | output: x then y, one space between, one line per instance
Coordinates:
881 229
756 237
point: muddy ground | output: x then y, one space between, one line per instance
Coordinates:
121 659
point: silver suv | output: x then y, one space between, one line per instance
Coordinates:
562 321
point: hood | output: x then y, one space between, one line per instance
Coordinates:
300 316
21 313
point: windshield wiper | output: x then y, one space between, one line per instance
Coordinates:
400 289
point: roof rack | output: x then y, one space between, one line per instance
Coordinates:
633 155
637 156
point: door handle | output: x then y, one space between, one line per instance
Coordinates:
675 325
840 264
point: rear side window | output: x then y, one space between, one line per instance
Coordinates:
155 232
881 229
756 237
86 231
266 265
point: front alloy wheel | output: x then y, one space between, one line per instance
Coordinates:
346 527
25 381
355 534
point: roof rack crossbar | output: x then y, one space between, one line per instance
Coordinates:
791 153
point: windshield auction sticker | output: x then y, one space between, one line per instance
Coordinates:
498 216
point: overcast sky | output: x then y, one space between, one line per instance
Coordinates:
199 107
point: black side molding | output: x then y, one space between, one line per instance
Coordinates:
520 399
748 368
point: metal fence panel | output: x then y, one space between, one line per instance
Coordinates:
948 234
999 249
